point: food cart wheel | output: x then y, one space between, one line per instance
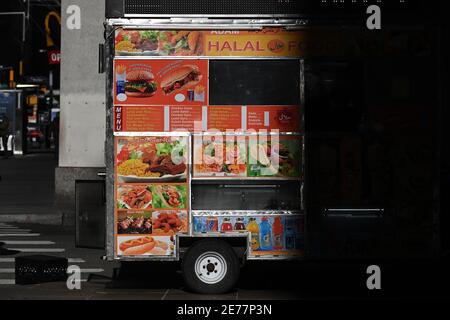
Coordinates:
210 266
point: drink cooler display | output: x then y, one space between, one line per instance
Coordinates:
268 234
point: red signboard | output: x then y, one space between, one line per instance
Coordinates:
54 57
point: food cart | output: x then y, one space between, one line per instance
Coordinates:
205 143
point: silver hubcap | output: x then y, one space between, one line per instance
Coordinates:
210 267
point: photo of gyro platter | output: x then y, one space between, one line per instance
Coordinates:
220 159
134 222
150 159
145 245
169 196
169 222
135 42
134 197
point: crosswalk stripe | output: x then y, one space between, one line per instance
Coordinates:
12 270
20 234
38 249
28 242
7 281
70 260
14 230
91 270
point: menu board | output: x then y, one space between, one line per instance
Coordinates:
268 234
206 118
152 194
170 81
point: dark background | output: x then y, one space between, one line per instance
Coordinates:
33 51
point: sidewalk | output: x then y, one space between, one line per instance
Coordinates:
27 189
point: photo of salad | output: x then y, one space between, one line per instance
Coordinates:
262 158
169 196
134 197
143 159
152 42
144 42
232 162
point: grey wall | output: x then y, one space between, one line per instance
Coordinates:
82 127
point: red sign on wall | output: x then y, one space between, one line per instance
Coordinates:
54 56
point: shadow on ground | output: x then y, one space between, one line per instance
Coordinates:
310 280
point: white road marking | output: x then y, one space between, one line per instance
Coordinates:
19 235
12 270
7 281
8 227
76 260
38 249
71 260
13 281
28 242
91 270
14 230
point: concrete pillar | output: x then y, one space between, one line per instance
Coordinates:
82 127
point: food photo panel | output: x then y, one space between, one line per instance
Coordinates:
134 222
169 222
145 245
151 159
160 82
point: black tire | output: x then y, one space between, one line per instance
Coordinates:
205 248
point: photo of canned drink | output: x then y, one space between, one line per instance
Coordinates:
190 94
120 79
212 224
200 224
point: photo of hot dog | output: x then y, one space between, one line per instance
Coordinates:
180 78
145 245
138 246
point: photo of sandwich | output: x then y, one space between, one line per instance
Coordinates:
183 77
181 43
140 84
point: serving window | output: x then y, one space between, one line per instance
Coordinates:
254 82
